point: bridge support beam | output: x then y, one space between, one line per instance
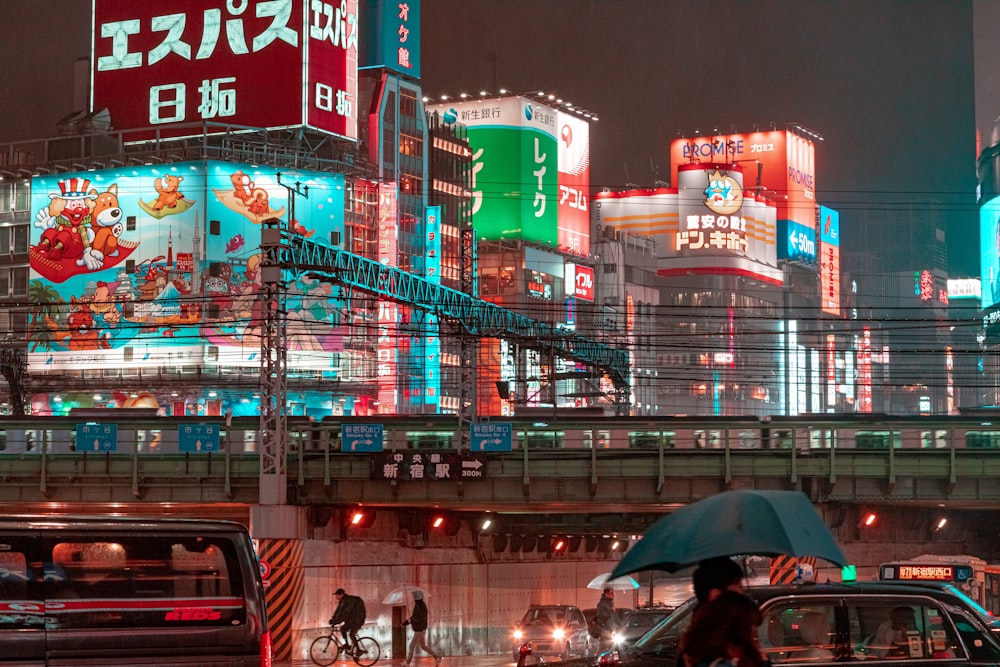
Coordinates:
280 533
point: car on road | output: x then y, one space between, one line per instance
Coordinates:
837 623
553 630
637 622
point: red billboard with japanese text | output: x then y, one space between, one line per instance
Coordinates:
783 162
574 183
159 65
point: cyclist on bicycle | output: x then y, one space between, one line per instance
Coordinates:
350 614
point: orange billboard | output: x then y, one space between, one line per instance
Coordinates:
779 162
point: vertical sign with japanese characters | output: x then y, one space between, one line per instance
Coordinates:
829 264
332 72
392 35
573 135
388 328
432 342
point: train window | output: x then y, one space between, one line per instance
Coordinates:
429 440
982 439
877 439
934 439
651 439
541 439
148 440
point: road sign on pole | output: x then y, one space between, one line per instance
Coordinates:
361 438
198 438
96 437
491 437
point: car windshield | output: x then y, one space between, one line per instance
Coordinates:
544 616
667 632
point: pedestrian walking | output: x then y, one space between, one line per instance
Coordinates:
418 623
723 633
604 616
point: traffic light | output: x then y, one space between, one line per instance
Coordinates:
359 517
444 523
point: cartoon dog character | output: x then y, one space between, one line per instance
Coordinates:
259 205
168 188
82 334
106 223
64 223
242 187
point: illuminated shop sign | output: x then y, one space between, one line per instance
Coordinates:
714 223
387 342
785 163
800 241
964 288
583 281
539 285
258 63
829 265
392 35
531 171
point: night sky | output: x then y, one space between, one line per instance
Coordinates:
888 84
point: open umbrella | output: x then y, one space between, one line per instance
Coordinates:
602 581
403 595
742 522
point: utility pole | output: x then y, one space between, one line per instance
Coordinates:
274 357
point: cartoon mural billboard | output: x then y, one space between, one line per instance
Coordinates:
157 266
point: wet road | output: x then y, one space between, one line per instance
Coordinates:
448 661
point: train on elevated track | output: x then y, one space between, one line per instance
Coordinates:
145 433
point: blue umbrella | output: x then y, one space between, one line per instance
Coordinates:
732 523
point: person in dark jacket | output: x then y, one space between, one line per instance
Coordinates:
350 613
418 621
604 616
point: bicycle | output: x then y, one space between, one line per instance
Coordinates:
325 650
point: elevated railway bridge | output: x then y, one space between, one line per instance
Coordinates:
564 500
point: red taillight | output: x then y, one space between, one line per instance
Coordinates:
265 650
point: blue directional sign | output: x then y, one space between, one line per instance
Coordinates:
198 438
361 438
96 437
491 437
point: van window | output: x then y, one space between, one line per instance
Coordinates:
125 581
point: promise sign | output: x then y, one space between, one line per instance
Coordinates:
158 65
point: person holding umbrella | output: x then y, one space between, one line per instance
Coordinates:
723 633
604 615
418 620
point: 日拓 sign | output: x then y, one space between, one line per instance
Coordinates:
491 437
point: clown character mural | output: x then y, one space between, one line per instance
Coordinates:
79 231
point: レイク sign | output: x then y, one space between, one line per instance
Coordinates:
159 64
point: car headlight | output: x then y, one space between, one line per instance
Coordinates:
518 634
558 633
617 638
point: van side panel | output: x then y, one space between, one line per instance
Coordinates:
151 592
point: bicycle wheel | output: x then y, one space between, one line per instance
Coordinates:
323 651
366 651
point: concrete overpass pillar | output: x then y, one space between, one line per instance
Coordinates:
280 532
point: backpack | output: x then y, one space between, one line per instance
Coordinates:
357 613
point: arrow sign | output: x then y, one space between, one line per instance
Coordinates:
491 437
361 438
97 437
198 438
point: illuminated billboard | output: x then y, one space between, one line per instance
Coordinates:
392 35
257 63
531 171
829 264
159 266
574 183
783 162
709 225
989 251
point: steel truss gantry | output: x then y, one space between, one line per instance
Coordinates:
476 316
